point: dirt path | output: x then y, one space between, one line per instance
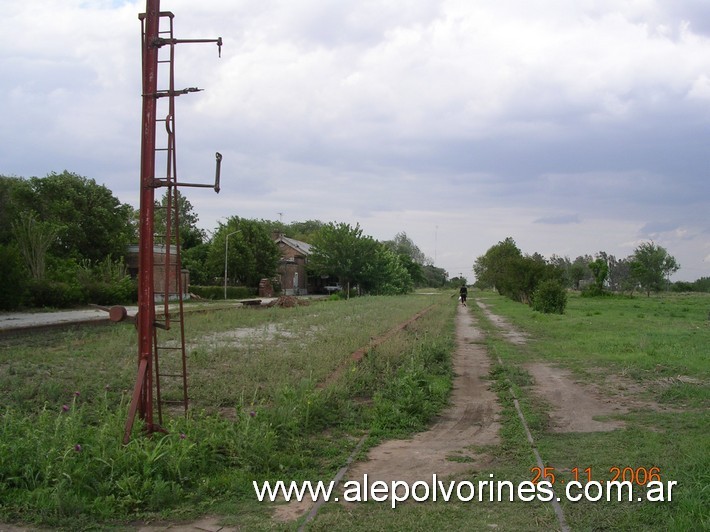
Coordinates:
472 419
575 406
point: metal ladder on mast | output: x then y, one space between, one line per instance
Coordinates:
170 357
169 350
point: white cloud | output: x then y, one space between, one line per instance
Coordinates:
477 117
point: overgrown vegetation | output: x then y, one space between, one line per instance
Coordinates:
525 278
217 292
647 354
257 412
519 277
549 297
57 224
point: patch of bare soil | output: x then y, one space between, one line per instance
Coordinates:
292 510
471 419
575 405
288 302
510 333
206 524
358 355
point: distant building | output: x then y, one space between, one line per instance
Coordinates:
159 272
292 268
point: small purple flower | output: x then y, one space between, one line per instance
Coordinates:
65 408
77 447
77 394
252 413
182 436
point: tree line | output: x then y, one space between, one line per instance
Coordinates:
64 239
542 283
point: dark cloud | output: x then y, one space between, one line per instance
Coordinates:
570 127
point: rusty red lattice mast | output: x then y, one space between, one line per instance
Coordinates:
153 39
142 398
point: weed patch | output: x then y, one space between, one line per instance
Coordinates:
256 411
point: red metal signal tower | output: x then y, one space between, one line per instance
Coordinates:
157 37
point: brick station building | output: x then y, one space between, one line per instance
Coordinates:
292 267
160 272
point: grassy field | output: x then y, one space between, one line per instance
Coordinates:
656 349
260 412
650 352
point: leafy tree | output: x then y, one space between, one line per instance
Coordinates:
600 270
304 231
415 270
385 273
651 266
564 265
524 275
702 284
433 276
16 197
699 285
493 268
412 257
579 270
619 274
33 239
456 282
512 274
251 252
342 251
14 278
90 221
194 260
401 244
190 234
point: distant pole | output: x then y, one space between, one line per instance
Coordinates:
226 248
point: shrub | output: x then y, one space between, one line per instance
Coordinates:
217 292
594 291
550 297
14 278
110 293
46 293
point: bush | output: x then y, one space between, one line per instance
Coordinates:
549 297
46 293
111 293
594 291
14 278
217 292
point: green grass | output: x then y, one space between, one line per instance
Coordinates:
257 411
657 348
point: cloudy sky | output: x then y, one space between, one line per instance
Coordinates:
572 126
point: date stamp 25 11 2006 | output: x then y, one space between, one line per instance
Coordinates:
639 475
579 483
